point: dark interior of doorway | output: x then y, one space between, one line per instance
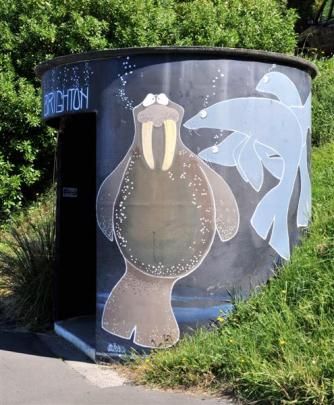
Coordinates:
75 270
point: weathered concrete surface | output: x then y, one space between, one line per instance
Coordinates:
45 370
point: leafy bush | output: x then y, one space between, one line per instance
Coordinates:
277 347
26 146
323 103
26 265
35 30
307 9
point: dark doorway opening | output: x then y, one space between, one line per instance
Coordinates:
75 271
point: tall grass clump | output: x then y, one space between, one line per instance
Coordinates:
323 103
276 347
26 265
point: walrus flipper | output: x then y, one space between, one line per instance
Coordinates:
227 211
106 197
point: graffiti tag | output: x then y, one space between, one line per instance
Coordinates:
60 101
115 348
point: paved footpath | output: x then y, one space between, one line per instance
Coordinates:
45 370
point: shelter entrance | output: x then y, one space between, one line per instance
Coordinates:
75 275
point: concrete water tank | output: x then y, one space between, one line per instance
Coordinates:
183 181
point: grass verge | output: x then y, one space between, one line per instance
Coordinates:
26 265
277 347
323 103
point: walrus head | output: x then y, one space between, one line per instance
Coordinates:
157 121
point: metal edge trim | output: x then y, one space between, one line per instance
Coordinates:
233 53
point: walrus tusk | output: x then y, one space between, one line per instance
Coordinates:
146 134
170 144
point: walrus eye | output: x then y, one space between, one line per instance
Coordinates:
162 99
149 100
203 113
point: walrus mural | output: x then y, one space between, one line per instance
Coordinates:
163 205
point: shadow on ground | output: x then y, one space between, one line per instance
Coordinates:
43 345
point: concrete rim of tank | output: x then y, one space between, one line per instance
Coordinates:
216 52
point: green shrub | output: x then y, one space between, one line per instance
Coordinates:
323 103
35 30
26 265
307 9
26 146
277 347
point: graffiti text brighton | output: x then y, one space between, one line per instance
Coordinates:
59 101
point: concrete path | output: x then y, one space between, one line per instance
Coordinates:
43 369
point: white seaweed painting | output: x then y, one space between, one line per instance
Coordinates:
265 133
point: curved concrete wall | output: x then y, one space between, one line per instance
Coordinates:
203 183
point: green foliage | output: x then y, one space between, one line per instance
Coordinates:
26 265
277 346
306 10
35 30
323 103
250 24
21 140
